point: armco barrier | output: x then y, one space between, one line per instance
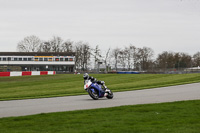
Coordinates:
15 73
43 73
35 72
3 74
26 73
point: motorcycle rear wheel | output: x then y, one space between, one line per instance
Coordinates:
93 95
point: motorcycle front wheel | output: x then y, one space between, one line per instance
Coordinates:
93 94
110 95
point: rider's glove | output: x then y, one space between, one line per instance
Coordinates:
102 82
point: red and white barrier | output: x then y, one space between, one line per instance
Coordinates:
27 73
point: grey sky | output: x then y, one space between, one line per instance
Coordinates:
163 25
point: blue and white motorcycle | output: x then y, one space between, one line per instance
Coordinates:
97 91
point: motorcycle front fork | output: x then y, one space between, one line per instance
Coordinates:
105 87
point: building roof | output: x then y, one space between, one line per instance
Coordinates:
37 53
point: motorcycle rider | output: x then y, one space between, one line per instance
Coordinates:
94 80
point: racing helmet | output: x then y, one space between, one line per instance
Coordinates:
86 76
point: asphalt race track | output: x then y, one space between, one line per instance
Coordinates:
58 104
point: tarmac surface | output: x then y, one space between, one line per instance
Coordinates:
70 103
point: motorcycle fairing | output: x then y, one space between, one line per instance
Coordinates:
98 88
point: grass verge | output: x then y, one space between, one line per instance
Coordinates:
27 87
176 117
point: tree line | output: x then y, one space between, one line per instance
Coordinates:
129 58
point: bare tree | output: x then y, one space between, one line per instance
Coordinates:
196 57
46 47
56 43
185 60
145 55
130 57
29 44
106 60
115 54
82 52
78 55
122 58
133 54
67 46
97 56
166 60
169 60
86 56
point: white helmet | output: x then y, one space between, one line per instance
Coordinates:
86 76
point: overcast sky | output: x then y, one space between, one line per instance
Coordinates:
163 25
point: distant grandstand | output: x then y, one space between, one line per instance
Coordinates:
37 61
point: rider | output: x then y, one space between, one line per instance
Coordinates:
93 80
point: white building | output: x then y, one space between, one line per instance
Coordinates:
38 61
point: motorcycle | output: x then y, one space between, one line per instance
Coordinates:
97 91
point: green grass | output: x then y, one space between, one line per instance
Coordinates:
176 117
68 84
